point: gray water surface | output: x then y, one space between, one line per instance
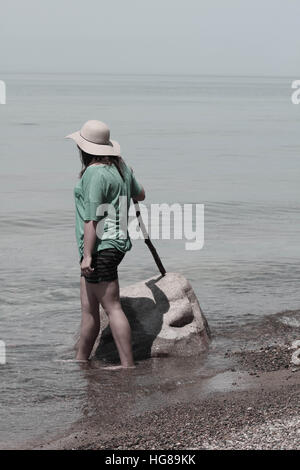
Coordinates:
230 143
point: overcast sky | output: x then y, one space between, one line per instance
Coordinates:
260 37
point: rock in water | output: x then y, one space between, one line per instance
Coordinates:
165 318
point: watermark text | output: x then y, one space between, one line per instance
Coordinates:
2 92
2 352
295 97
157 221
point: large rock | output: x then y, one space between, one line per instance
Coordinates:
165 318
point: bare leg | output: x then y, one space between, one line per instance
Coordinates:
90 320
109 297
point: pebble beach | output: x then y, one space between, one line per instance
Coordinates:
264 415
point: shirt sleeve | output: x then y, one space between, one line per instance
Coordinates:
93 194
136 188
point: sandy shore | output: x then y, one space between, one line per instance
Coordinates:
258 409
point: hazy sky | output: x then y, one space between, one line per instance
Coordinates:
151 36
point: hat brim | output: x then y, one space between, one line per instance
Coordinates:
111 149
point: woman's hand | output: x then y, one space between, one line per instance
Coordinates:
85 265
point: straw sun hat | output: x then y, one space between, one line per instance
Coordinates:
94 138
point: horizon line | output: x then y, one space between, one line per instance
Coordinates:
17 72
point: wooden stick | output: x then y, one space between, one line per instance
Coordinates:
147 239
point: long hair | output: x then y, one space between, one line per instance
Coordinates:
87 158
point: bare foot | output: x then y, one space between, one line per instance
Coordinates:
117 367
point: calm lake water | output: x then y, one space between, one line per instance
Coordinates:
230 143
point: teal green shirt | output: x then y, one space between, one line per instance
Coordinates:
97 197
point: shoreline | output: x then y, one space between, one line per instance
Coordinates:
257 408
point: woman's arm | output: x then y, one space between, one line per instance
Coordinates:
89 243
141 196
94 195
138 192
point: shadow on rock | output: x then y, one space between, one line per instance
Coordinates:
165 317
145 316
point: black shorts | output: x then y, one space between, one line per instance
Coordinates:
105 264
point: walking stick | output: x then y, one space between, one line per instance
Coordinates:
147 239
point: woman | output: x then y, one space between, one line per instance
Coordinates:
102 199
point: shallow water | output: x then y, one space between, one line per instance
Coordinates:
230 143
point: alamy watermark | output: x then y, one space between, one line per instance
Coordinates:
2 92
2 352
296 354
295 97
158 221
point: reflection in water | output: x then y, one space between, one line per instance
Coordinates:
153 384
63 393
